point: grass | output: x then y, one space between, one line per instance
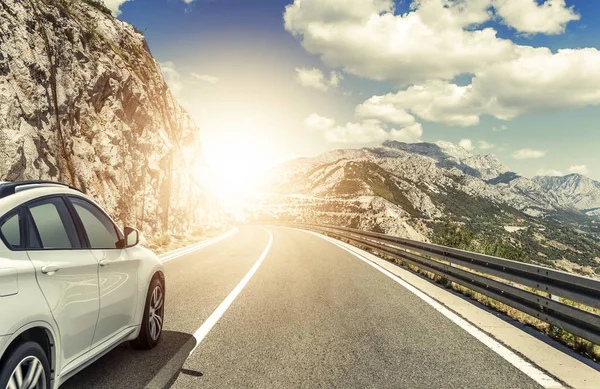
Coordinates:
574 342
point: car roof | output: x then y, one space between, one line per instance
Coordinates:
8 188
33 191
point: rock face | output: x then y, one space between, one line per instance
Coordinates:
447 154
83 101
417 171
573 190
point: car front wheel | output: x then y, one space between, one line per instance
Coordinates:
26 367
152 322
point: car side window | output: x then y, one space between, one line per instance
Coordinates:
11 230
53 225
100 230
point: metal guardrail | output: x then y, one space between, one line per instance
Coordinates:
443 260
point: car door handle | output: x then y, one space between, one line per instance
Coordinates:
50 270
104 262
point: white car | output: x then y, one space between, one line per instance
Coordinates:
72 285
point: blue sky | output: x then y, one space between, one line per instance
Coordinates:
246 77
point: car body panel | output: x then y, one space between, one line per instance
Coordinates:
51 330
118 292
148 268
9 281
93 355
4 342
72 295
29 304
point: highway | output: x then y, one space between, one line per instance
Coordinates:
311 315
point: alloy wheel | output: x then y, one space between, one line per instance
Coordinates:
29 374
155 316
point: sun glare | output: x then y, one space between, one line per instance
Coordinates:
236 160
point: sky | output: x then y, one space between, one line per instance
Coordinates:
269 80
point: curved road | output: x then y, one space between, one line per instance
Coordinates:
313 315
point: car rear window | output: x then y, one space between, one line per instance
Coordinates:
11 230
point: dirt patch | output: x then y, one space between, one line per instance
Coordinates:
161 243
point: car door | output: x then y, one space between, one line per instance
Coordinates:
66 272
117 272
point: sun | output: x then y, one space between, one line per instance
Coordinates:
236 160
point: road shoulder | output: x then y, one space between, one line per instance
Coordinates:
550 356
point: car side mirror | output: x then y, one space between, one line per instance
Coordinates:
132 237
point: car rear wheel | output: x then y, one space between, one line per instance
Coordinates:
152 322
26 367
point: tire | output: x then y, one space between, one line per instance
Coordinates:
31 361
153 319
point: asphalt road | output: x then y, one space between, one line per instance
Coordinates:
312 316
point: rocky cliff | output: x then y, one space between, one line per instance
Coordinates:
83 101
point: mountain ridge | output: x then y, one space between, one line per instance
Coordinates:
438 193
574 190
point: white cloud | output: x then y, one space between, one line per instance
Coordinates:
466 144
314 78
387 112
367 39
439 40
114 6
335 78
483 145
366 131
528 154
579 169
538 81
370 131
320 123
205 78
527 16
436 101
501 128
549 172
172 77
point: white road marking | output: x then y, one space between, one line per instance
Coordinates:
527 368
216 315
190 249
170 370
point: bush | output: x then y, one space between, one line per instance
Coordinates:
136 29
99 5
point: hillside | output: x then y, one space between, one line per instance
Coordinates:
83 101
575 191
436 192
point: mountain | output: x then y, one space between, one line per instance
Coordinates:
449 155
83 101
573 190
435 192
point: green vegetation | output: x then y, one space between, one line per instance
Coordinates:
381 183
464 238
136 29
99 5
